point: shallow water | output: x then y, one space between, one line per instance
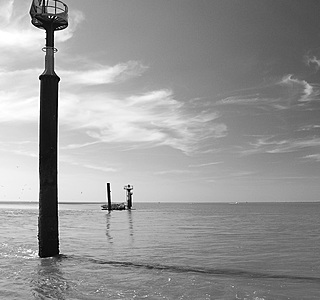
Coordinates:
165 251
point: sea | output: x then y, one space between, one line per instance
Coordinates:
256 251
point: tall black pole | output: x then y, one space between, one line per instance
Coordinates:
49 15
109 196
129 199
48 233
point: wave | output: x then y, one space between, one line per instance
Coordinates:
197 270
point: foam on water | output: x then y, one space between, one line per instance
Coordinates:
21 252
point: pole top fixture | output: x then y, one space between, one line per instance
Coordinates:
47 14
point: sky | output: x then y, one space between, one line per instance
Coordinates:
186 100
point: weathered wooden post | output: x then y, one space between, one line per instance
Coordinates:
129 189
109 196
50 15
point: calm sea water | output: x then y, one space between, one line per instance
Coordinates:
165 251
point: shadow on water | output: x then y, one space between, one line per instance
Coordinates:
189 269
207 271
48 281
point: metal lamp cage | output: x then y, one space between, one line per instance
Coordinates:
46 13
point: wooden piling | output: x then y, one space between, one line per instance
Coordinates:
109 196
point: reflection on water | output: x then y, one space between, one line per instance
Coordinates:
130 223
48 281
118 226
108 220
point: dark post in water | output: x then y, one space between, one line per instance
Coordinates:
129 189
109 196
49 15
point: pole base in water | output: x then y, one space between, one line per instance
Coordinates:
48 236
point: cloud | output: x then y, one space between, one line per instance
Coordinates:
145 120
25 148
77 146
315 157
234 176
206 164
82 162
18 95
312 60
272 145
148 120
279 95
99 168
239 100
19 89
173 172
101 74
76 17
300 89
6 10
309 127
280 117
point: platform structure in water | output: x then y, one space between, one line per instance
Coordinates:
114 206
118 206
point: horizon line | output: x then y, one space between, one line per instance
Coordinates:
156 202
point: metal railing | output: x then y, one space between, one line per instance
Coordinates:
53 7
50 7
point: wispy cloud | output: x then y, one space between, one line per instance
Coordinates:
18 96
280 117
300 90
172 172
77 146
281 94
314 157
241 100
309 127
272 145
311 59
6 10
103 74
206 164
24 148
76 17
239 175
252 177
86 162
150 119
97 167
